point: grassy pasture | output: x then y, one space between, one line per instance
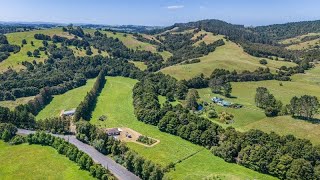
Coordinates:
209 38
139 65
37 162
311 76
15 60
229 56
297 39
115 102
13 104
66 101
297 44
82 52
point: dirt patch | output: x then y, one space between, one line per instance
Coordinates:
130 135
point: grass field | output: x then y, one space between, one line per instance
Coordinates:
82 52
229 56
209 38
115 102
131 42
66 101
37 162
15 103
139 65
14 61
298 44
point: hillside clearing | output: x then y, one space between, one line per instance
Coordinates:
15 103
229 56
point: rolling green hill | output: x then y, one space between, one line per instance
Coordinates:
229 56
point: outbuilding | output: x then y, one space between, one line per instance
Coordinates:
114 132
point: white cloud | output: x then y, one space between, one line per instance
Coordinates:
175 7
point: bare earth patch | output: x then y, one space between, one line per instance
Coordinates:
134 136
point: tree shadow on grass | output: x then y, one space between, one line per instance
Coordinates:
311 120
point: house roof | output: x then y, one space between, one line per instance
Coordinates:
69 112
113 130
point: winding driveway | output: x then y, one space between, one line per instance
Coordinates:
116 169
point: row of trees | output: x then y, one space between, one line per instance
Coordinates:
86 106
135 163
304 107
6 48
72 152
265 100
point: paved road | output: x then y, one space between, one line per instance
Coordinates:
116 169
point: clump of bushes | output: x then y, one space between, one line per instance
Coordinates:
226 117
146 140
263 61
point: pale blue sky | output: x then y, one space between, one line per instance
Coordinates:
159 12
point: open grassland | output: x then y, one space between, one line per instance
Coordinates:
304 45
287 125
209 38
115 102
82 52
15 60
15 103
296 43
37 162
139 65
131 42
311 76
229 56
66 101
297 39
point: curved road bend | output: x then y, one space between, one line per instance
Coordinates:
116 169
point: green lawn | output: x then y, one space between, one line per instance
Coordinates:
37 162
115 102
15 103
229 56
66 101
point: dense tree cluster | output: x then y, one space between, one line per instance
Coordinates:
7 131
182 48
19 117
118 50
72 152
135 163
86 106
6 48
145 96
304 107
265 100
42 37
55 125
